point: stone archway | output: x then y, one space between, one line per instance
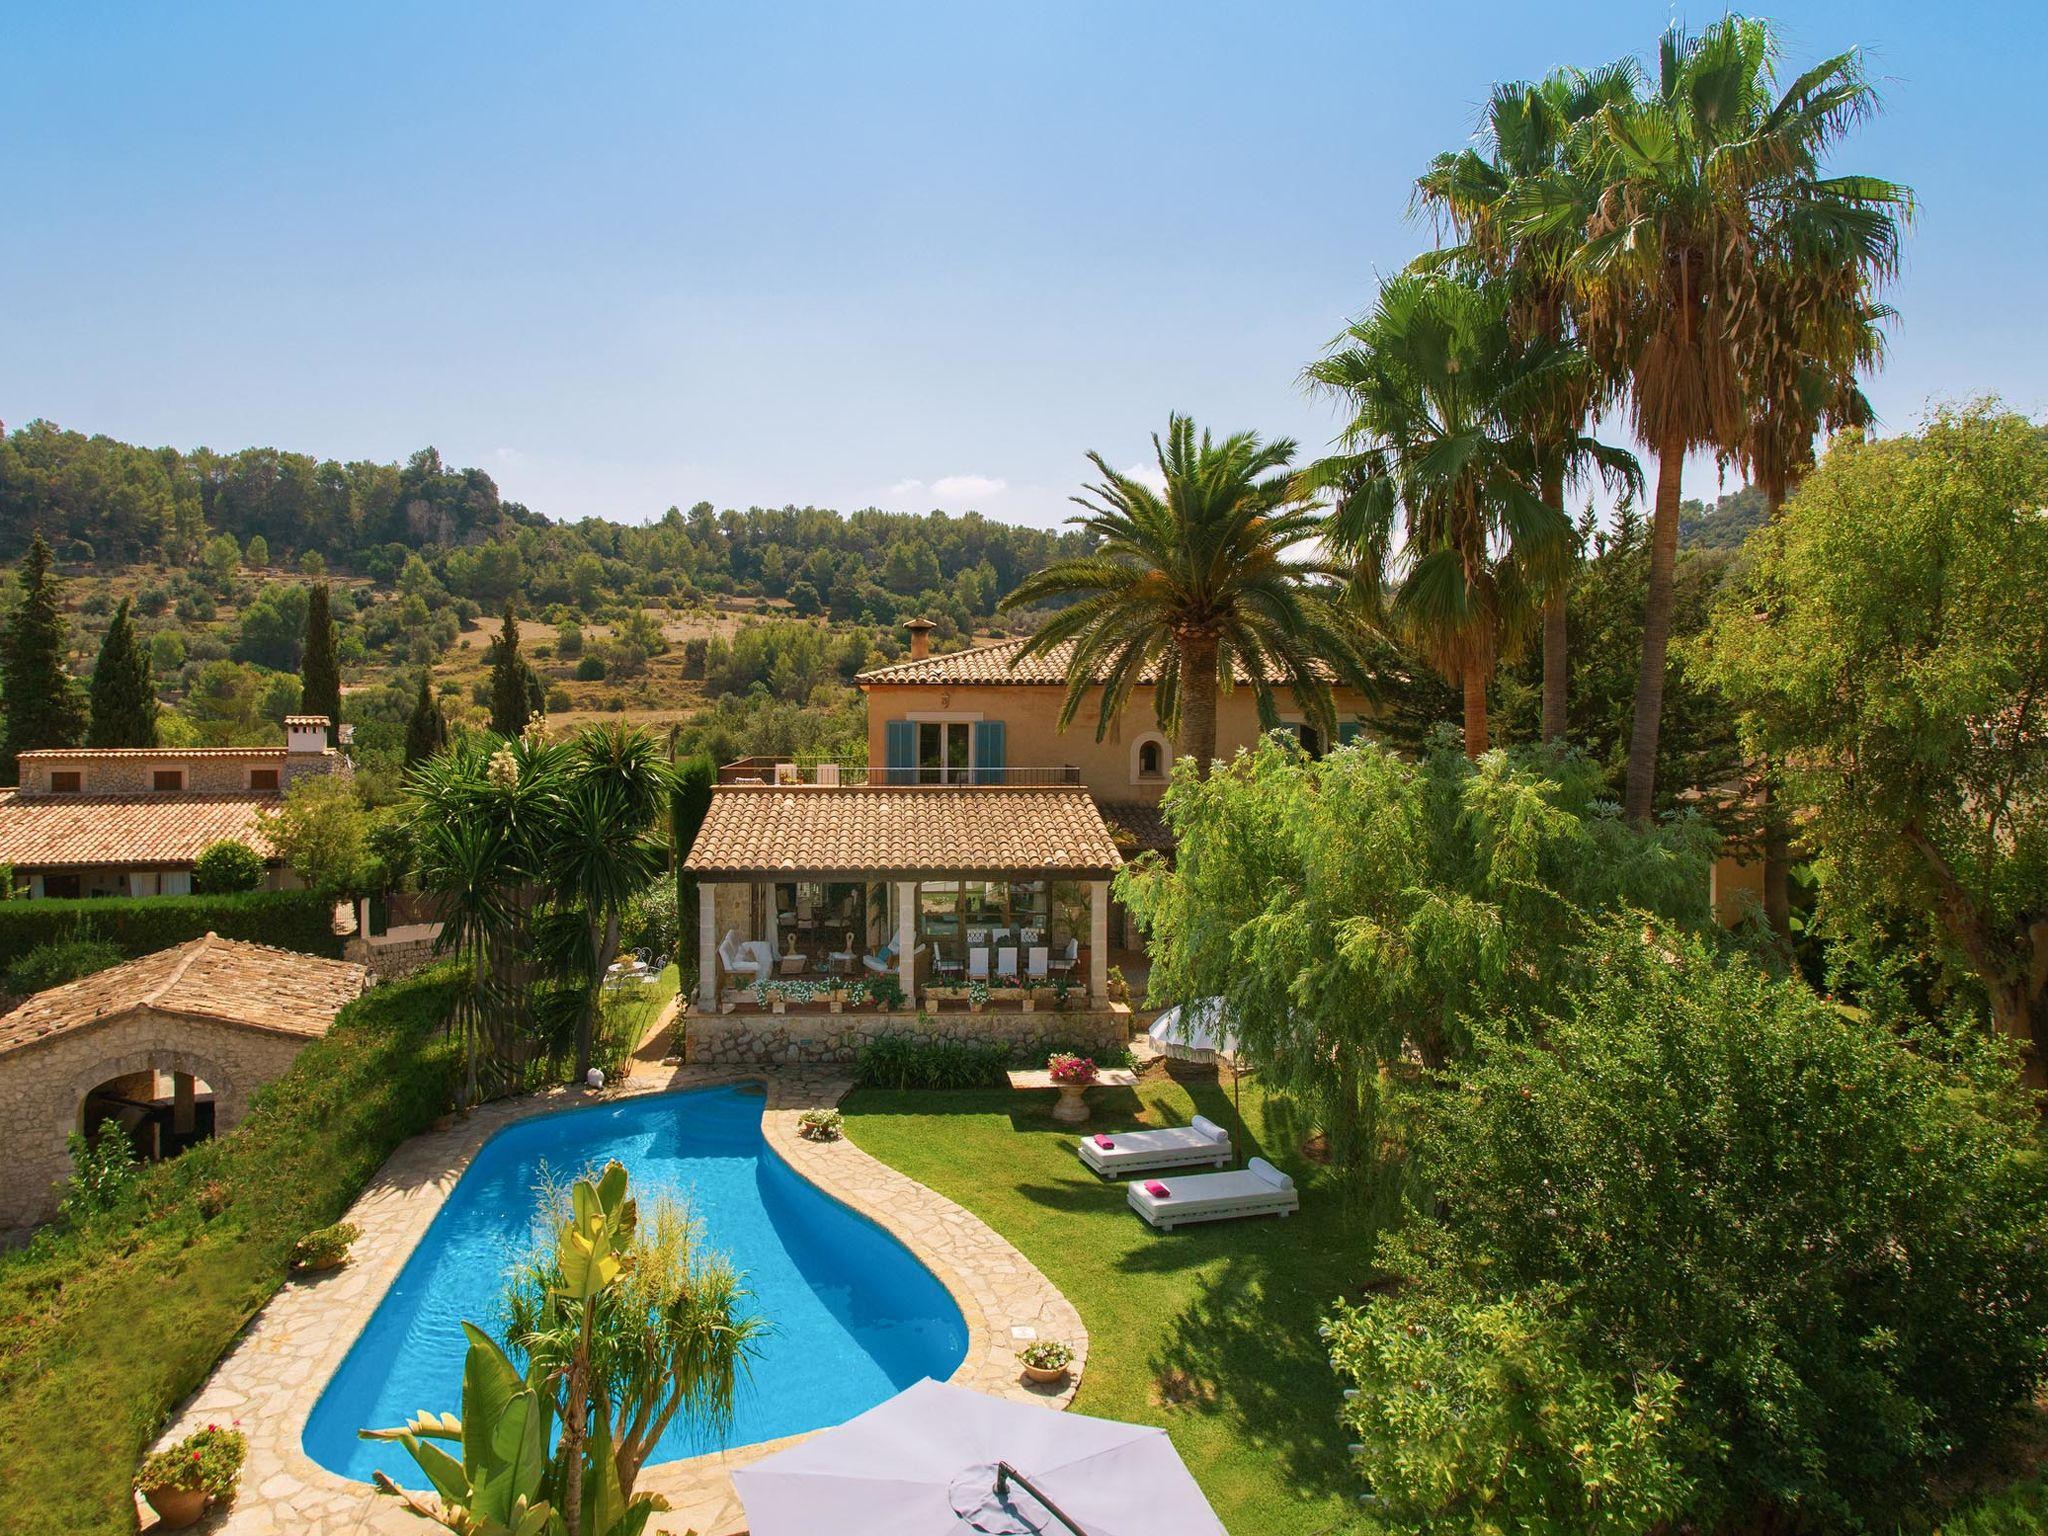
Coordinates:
186 1068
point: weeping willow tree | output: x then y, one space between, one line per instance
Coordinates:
1360 912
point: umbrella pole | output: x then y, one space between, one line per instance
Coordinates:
1006 1474
1237 1109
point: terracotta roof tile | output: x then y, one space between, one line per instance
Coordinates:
154 754
1000 663
1139 824
224 980
39 831
814 831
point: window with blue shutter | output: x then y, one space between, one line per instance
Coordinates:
988 752
1347 732
902 752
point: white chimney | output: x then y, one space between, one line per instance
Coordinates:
305 734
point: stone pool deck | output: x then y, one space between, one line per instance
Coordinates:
272 1377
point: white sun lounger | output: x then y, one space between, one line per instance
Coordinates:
1257 1190
1201 1142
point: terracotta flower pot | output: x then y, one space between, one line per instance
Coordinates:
176 1508
321 1266
1045 1375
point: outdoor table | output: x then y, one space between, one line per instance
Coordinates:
1072 1108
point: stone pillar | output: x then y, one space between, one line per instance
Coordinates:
906 939
1098 940
184 1109
707 948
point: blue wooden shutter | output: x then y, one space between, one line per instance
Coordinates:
902 749
1347 732
988 752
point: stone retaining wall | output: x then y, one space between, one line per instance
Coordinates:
756 1039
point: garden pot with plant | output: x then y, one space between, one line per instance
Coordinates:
977 996
819 1125
1046 1361
324 1248
180 1480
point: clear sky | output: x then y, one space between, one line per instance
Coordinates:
624 256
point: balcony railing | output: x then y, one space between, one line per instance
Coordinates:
842 773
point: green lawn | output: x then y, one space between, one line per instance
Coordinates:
1209 1331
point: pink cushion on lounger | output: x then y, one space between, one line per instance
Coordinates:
1155 1189
1104 1142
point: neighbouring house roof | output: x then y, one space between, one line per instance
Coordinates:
1000 663
154 754
877 832
1138 826
221 980
44 831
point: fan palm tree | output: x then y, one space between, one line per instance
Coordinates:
1695 183
1196 587
600 849
1528 134
1437 483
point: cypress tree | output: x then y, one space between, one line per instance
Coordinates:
426 732
123 689
509 671
319 673
688 803
44 708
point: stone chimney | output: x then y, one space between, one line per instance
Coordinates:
920 638
305 734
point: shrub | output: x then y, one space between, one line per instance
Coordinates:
114 1320
590 670
1712 1250
925 1061
208 1459
227 868
53 964
101 1174
142 925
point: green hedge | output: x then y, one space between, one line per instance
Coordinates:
141 925
106 1327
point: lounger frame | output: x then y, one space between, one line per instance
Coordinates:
1276 1200
1181 1153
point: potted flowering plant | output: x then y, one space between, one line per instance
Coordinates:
856 993
819 1125
1047 1360
763 990
888 993
1079 1070
181 1479
1062 987
977 996
324 1248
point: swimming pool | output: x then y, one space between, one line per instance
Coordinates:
855 1318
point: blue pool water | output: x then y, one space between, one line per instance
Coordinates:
855 1317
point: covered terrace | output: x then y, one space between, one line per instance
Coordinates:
927 885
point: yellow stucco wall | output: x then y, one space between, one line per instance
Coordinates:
1030 713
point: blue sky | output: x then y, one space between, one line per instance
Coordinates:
624 256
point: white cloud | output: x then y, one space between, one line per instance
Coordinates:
1146 472
907 488
966 487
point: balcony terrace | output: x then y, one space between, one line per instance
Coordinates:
846 773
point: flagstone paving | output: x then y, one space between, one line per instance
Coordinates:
273 1376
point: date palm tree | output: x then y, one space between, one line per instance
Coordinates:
1203 586
1438 484
1528 135
1697 181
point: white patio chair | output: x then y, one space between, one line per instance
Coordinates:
741 959
1036 963
1030 936
1069 957
1006 960
883 960
825 773
977 963
977 935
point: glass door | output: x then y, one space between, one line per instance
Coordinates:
943 751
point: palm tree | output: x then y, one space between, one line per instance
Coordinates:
1197 587
1437 482
1528 135
600 849
1693 183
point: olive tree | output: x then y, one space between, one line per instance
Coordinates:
1888 645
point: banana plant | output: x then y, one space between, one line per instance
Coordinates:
502 1436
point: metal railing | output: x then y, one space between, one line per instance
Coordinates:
847 774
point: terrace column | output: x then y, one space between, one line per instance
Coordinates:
906 939
707 947
1098 940
184 1103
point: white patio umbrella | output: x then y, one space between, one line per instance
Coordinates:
1196 1031
936 1460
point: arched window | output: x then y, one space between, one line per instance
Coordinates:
1149 758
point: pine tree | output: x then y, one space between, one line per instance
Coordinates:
44 708
509 697
319 674
123 689
426 732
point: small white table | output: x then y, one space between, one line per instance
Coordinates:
1072 1108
